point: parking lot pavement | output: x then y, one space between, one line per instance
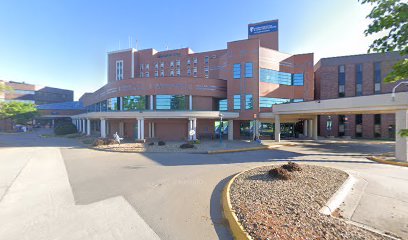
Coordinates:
177 195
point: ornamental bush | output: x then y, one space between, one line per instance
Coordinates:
161 143
65 128
186 145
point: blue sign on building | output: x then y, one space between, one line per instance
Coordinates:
262 28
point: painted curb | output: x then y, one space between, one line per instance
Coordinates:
237 230
238 150
338 197
381 160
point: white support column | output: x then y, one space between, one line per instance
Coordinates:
195 128
305 133
88 127
138 129
53 123
107 128
190 127
142 133
103 127
150 130
277 128
78 125
401 143
84 126
153 135
151 102
315 126
230 130
310 128
190 102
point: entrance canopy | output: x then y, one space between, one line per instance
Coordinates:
158 114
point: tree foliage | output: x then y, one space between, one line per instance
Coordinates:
390 17
20 113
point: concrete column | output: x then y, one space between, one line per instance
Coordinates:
88 127
310 128
190 102
138 129
190 127
305 133
277 128
53 123
84 126
315 126
230 130
103 127
142 133
195 128
150 130
401 143
151 102
121 129
153 135
107 128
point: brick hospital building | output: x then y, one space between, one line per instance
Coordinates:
167 94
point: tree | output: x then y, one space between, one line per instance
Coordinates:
390 17
4 87
18 112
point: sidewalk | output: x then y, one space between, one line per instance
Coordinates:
38 204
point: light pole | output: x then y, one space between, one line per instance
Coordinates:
393 90
220 115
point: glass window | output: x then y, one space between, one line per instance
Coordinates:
162 65
195 72
359 125
162 73
342 125
297 100
147 67
156 66
341 80
188 62
272 76
178 72
156 73
172 73
298 79
249 102
237 70
377 125
119 70
178 63
237 102
359 79
248 69
206 59
134 103
104 106
141 74
147 74
206 72
172 64
189 72
171 102
141 67
267 102
223 105
377 77
113 104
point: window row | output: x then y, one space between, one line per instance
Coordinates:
248 70
264 102
359 79
272 76
136 103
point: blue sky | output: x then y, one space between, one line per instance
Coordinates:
64 43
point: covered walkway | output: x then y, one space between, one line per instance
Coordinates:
373 104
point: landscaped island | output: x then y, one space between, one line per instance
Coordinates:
269 207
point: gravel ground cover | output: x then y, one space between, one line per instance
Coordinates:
269 208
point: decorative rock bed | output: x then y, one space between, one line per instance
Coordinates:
270 208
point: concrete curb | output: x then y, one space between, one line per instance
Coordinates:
338 197
237 230
381 160
238 150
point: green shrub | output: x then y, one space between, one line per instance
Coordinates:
98 142
65 128
161 143
186 145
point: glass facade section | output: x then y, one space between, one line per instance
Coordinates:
267 102
237 102
237 71
272 76
171 102
359 79
223 105
249 102
113 104
249 68
134 103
